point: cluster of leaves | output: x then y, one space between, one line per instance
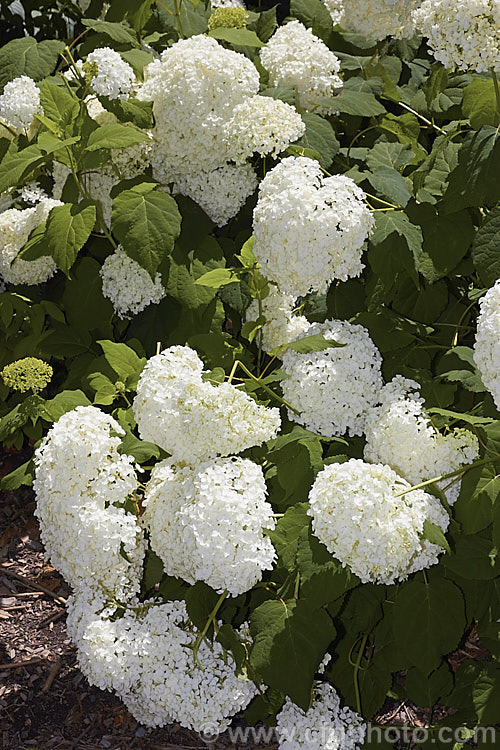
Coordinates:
423 144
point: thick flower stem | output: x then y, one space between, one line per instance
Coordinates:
262 385
451 474
357 667
497 92
210 621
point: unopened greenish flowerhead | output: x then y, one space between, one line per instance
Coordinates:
28 374
228 18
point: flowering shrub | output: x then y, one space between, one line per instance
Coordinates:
249 316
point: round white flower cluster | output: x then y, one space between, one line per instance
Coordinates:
227 4
16 226
281 326
487 344
462 34
195 87
32 193
115 77
375 19
81 485
192 419
220 192
324 726
399 433
334 388
296 58
309 229
20 102
360 519
146 656
263 125
128 285
206 524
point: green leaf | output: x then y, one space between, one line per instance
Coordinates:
237 37
480 104
116 31
123 360
217 278
114 135
308 344
26 56
429 620
387 154
23 475
59 105
440 258
285 536
141 450
436 83
147 224
433 534
478 687
388 182
314 15
358 103
67 229
320 137
427 690
388 222
473 558
486 248
474 181
451 367
479 491
84 303
130 110
290 641
153 570
16 165
65 401
105 390
322 578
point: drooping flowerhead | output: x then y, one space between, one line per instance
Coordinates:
15 228
362 518
400 433
296 58
324 726
487 344
462 34
192 419
27 374
81 485
128 285
146 657
334 388
20 102
309 229
114 77
206 524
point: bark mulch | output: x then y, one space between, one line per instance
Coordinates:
45 701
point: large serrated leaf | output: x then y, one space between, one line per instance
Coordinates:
486 248
28 57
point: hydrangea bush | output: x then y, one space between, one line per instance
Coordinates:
250 324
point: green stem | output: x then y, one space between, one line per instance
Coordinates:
421 117
210 621
268 390
356 672
497 90
462 470
297 585
177 6
261 335
380 200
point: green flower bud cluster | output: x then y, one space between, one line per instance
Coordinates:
228 18
28 374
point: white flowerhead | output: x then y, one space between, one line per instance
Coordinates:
16 226
115 77
147 658
334 388
281 326
81 484
20 102
192 419
128 285
375 19
296 58
207 523
487 344
220 192
309 229
359 517
462 34
227 4
263 125
400 433
324 726
195 87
